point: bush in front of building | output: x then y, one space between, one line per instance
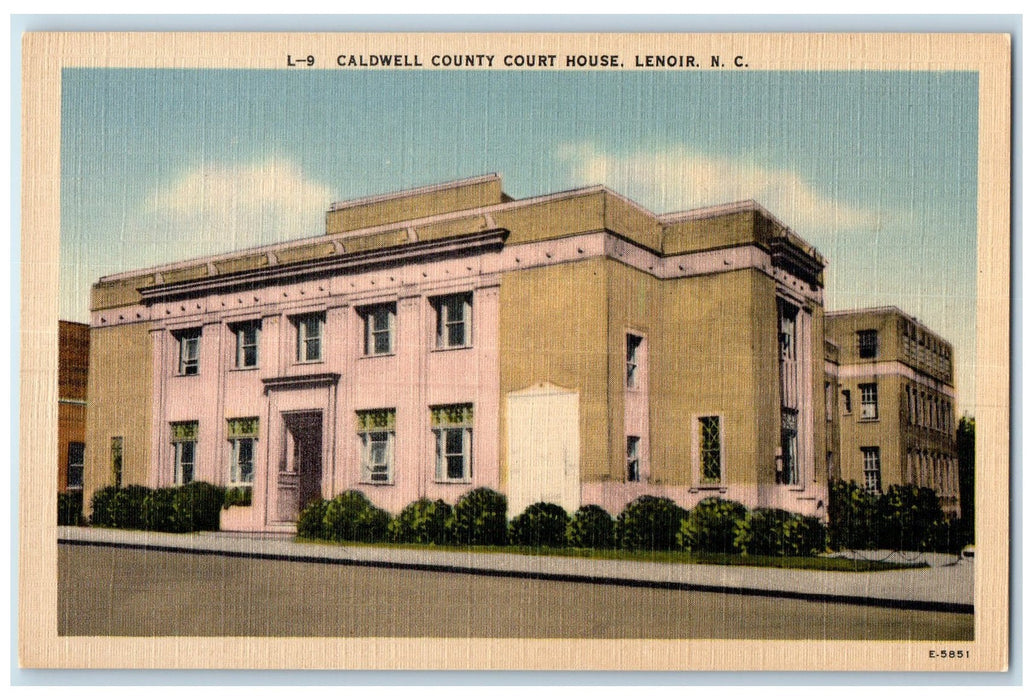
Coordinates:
479 518
775 532
119 507
197 506
69 508
159 512
911 518
650 523
421 522
590 528
854 521
351 517
312 521
710 526
237 496
540 525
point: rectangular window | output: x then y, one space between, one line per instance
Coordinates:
634 344
869 401
247 343
867 344
872 469
379 324
310 337
116 461
453 433
242 434
830 401
454 320
710 449
376 431
789 473
847 407
75 465
189 351
184 443
633 459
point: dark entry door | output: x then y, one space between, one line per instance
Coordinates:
301 479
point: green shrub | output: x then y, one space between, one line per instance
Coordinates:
69 508
650 523
911 518
159 512
479 518
350 517
422 522
854 520
237 496
590 528
540 525
197 506
119 507
710 526
311 521
779 533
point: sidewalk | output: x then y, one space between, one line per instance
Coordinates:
947 588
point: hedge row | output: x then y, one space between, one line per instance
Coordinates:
905 518
647 523
188 508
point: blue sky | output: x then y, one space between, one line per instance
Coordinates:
876 169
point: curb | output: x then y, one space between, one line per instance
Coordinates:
918 605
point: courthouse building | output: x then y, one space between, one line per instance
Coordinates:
896 403
573 348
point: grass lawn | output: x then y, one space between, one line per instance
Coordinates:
812 563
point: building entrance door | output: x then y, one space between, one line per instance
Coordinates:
301 469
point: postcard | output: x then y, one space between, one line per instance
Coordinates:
515 351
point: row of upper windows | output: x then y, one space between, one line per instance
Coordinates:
453 329
928 410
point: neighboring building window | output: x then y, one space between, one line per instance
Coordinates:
184 443
242 434
790 467
847 408
633 459
380 329
867 344
247 343
453 432
869 401
830 401
116 461
710 449
454 324
872 469
310 337
377 434
75 465
189 351
634 348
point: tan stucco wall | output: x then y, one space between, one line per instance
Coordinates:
843 331
120 404
552 328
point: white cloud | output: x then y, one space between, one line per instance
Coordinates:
220 207
680 178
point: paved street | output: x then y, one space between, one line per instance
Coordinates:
112 591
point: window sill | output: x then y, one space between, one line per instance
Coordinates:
365 482
181 374
452 347
243 369
377 355
867 420
455 482
308 362
722 488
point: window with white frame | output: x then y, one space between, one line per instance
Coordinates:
869 401
453 433
379 322
867 344
454 320
634 360
246 335
310 337
709 449
872 469
242 434
189 351
376 430
184 452
76 450
634 464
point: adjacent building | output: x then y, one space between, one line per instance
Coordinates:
897 410
574 348
73 363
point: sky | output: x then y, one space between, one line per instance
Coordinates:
875 169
